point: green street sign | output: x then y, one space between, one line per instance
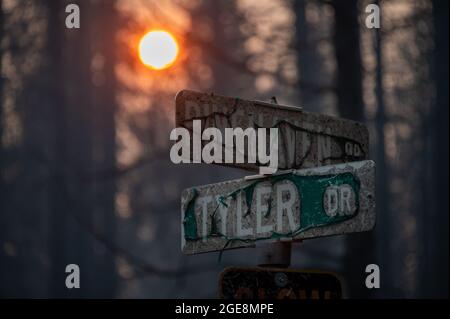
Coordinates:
277 283
294 205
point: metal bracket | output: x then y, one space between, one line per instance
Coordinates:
275 255
260 176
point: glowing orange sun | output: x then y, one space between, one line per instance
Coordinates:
158 50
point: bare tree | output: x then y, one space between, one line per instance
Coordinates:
382 186
435 273
359 252
2 220
82 84
59 189
103 111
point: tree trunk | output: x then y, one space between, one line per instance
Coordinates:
382 186
309 62
84 117
434 279
359 251
104 133
59 191
348 59
2 187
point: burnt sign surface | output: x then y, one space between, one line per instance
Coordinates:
305 139
299 204
273 283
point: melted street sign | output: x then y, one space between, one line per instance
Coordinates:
322 201
273 283
304 139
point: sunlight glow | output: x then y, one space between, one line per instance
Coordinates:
158 49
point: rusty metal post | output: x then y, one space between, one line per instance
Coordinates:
277 254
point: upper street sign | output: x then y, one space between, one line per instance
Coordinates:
322 201
277 283
304 139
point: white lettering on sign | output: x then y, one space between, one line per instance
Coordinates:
204 204
223 210
240 231
301 204
339 200
323 147
302 140
262 208
352 149
286 197
274 208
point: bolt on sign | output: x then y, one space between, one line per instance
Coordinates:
305 139
273 283
292 205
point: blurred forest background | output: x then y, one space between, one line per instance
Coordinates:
84 156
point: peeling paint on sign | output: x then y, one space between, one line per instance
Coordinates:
277 283
305 139
308 203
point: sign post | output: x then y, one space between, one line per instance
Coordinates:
277 254
277 283
324 186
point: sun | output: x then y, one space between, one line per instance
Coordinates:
158 49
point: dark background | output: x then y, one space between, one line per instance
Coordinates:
84 129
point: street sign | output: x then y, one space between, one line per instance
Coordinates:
281 283
292 205
305 139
